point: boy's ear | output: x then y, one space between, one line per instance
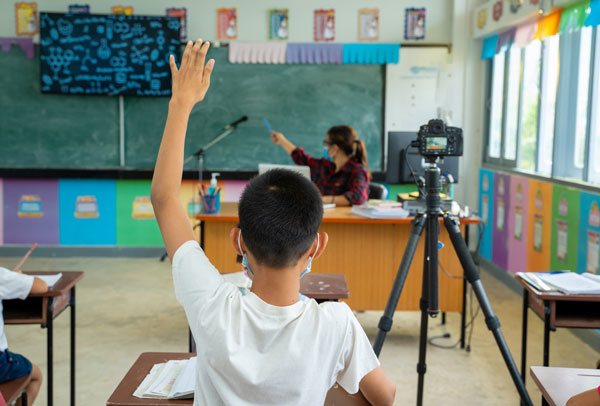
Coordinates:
234 234
323 239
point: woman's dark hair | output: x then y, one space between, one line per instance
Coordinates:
347 140
280 213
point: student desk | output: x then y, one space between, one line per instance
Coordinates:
557 310
367 251
559 384
43 309
123 395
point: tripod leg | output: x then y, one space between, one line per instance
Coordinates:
491 319
385 323
424 305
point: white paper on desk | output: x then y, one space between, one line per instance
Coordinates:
573 283
183 388
148 381
50 279
166 379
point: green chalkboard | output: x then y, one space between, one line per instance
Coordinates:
52 131
302 101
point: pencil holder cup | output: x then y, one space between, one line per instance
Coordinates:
211 203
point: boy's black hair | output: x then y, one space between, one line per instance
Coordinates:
280 213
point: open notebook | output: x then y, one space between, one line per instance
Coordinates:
50 279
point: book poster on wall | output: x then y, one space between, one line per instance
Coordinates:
79 8
227 27
26 18
279 24
324 25
414 23
589 234
122 10
180 13
368 24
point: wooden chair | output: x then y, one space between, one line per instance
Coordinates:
13 390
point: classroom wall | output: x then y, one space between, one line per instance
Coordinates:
560 227
252 16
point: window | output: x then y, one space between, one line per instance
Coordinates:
544 114
512 104
585 53
495 136
530 95
551 57
594 165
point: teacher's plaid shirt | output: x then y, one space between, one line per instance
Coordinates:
351 180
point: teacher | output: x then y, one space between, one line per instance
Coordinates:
342 175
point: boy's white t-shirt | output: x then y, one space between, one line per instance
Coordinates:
13 285
254 353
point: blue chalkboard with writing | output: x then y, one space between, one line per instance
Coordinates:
107 54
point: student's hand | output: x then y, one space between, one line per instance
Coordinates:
192 80
277 138
588 398
18 271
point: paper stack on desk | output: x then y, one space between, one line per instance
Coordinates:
174 379
380 209
573 283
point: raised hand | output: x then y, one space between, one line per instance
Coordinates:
192 80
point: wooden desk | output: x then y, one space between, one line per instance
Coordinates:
43 309
559 384
366 251
557 310
123 395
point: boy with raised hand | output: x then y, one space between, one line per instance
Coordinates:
267 347
15 285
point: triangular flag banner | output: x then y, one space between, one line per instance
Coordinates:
525 34
593 18
488 49
548 26
573 17
505 40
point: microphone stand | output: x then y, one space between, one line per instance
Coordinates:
200 153
200 156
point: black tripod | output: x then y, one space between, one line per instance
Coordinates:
429 294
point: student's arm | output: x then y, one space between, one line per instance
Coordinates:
39 286
190 84
339 200
377 388
279 139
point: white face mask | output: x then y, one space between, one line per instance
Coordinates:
248 272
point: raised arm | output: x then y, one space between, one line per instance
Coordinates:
190 84
279 139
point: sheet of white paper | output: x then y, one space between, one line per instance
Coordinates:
148 380
50 279
185 382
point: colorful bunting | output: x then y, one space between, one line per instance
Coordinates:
488 49
548 26
257 52
525 34
372 54
593 17
573 17
505 40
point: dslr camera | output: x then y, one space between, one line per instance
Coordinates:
435 139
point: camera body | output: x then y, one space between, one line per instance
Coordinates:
435 139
